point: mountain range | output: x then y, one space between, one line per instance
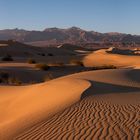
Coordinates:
72 35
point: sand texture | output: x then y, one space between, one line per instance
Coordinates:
101 57
109 109
92 105
92 118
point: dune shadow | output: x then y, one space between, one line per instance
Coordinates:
98 88
134 75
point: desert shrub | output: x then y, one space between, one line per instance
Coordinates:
17 82
41 54
104 67
4 76
7 58
76 62
48 77
42 66
14 81
50 54
31 61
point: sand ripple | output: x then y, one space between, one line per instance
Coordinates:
109 110
92 118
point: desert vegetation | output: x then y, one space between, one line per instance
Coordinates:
42 54
15 81
5 78
48 77
42 66
31 61
7 58
104 67
50 54
76 62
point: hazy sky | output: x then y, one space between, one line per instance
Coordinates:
97 15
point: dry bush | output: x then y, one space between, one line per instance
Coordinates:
48 77
31 61
14 81
76 62
42 54
104 67
7 58
4 76
42 66
50 54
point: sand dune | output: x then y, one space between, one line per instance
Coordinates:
109 109
101 57
21 107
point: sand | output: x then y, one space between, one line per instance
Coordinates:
102 104
92 118
101 57
20 107
27 106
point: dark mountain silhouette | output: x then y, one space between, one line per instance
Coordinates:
72 35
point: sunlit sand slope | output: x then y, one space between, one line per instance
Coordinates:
21 107
101 57
109 109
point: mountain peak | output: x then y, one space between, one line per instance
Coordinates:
74 28
73 35
53 28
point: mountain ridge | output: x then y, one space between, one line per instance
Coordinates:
73 35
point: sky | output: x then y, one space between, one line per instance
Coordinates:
97 15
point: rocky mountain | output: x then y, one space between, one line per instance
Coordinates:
70 35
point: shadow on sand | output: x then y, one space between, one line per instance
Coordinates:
134 74
98 88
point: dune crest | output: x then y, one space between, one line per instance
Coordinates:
109 109
21 107
101 57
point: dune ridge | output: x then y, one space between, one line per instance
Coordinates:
21 107
101 57
100 114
